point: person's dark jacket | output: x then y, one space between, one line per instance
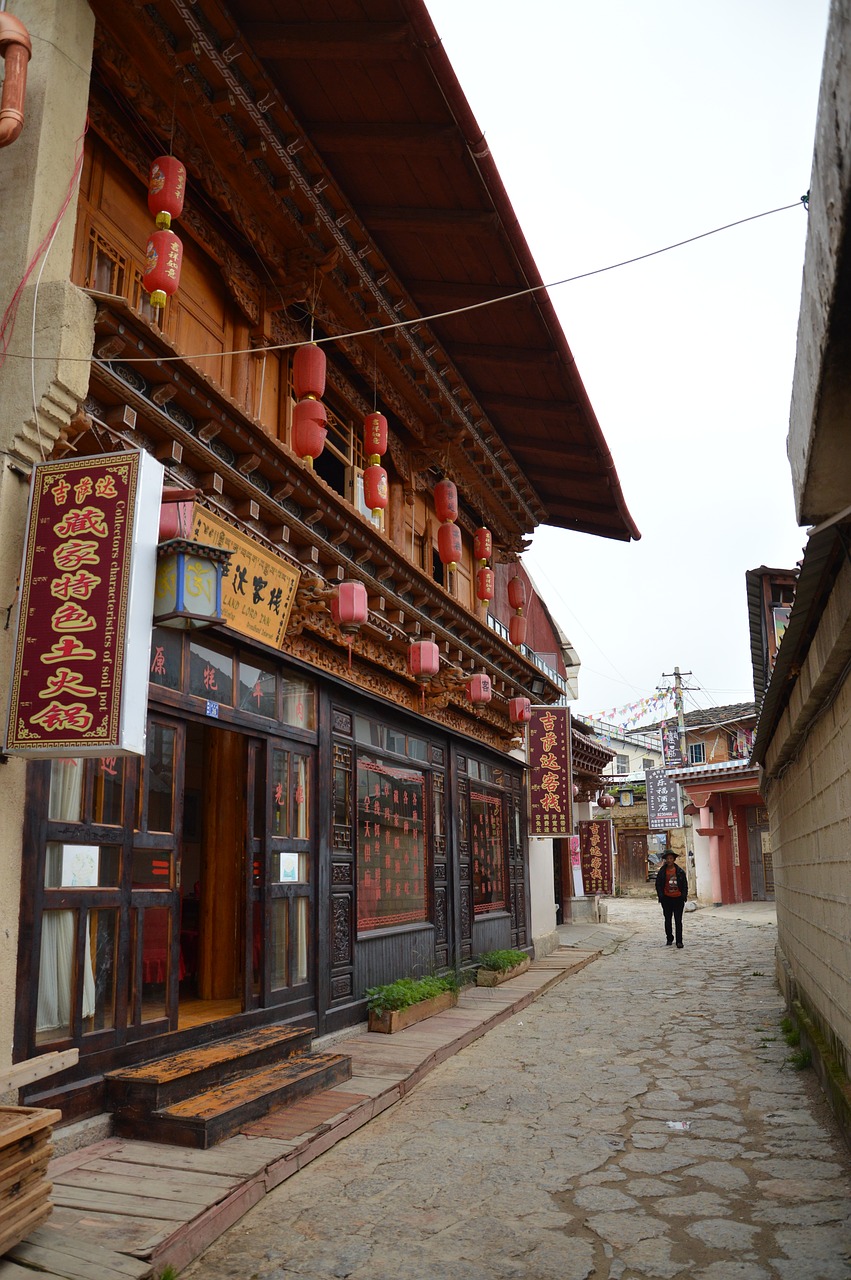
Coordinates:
682 881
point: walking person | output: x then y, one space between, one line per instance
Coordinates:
672 892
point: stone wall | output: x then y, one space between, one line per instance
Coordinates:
806 784
39 396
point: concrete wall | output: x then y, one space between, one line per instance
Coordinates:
35 174
807 789
817 443
542 894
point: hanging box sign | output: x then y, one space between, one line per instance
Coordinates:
85 607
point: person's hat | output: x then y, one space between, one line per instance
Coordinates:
672 852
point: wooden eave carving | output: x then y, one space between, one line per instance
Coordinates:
210 444
287 198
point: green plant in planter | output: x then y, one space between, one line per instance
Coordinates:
502 960
407 991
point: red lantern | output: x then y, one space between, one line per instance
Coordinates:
449 545
479 689
375 489
166 189
605 801
519 710
309 372
484 584
575 790
350 606
309 430
446 500
517 593
163 259
483 545
374 434
517 629
423 659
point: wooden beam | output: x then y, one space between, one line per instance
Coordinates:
528 404
426 221
45 1064
459 291
495 353
382 139
367 41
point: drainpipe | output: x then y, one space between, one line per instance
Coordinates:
16 50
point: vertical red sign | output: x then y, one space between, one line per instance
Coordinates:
70 651
595 848
550 778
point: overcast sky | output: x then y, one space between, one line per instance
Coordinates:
619 127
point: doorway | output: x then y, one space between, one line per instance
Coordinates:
212 876
632 861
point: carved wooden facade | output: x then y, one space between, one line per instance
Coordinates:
265 839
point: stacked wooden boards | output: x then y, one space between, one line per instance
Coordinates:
25 1149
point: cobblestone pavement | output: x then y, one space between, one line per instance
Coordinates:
639 1120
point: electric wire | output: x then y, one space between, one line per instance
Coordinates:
455 311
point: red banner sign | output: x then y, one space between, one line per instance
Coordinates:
82 546
550 780
595 848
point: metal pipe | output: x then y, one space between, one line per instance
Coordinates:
16 50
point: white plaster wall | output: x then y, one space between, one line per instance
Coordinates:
541 887
702 869
34 176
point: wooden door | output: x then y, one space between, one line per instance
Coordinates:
223 883
287 902
632 860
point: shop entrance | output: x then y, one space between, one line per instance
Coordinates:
212 876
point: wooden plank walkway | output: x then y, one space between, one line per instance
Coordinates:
123 1209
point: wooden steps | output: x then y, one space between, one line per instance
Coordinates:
197 1097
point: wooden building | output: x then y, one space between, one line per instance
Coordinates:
309 819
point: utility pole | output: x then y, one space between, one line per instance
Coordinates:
677 676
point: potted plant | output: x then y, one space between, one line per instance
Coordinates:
400 1004
498 966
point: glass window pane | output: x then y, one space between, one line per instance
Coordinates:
391 852
257 689
159 777
487 852
301 797
299 707
395 741
102 934
166 651
417 749
369 732
156 948
280 793
288 867
81 866
66 790
152 869
278 942
301 941
108 790
56 976
211 673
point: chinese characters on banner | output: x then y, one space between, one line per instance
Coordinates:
391 845
595 845
663 801
259 590
550 779
671 749
86 603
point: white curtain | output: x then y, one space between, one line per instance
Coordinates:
56 969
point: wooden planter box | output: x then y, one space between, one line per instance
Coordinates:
25 1149
493 977
397 1019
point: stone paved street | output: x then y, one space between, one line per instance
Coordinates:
638 1120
